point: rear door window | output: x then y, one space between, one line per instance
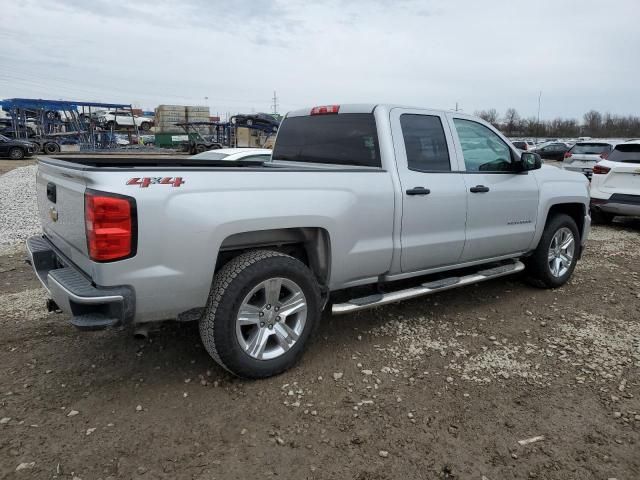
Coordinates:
629 153
425 143
341 139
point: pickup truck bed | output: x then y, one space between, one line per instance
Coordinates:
355 196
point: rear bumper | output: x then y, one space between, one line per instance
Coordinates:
91 307
618 204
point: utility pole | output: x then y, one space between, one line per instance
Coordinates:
274 106
457 108
538 125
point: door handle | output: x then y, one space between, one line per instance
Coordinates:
51 192
479 189
418 191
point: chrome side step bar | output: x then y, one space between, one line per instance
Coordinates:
379 299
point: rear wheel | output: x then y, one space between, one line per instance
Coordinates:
145 126
554 260
201 148
262 310
16 153
51 147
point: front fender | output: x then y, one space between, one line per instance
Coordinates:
562 189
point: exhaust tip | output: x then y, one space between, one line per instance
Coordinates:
142 331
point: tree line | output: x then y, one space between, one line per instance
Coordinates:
594 124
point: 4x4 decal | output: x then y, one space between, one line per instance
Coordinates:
144 182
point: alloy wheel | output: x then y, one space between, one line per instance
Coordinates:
271 318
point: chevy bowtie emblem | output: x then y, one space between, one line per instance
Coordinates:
53 213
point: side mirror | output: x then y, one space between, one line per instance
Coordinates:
529 161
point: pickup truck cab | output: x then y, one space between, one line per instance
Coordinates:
354 196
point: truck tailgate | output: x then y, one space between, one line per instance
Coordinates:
60 195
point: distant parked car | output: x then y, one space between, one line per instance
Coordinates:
262 120
553 151
615 184
123 118
233 154
584 155
15 149
524 145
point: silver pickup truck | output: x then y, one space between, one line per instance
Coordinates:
354 196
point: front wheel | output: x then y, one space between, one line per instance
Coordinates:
145 126
16 153
262 309
554 260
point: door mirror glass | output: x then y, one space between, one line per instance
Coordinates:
529 161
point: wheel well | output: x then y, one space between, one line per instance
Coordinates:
309 245
574 210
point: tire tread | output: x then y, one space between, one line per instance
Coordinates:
221 283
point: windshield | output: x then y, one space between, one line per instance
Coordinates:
210 155
345 139
591 148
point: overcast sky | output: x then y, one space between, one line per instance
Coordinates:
431 53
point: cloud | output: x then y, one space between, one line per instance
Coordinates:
430 53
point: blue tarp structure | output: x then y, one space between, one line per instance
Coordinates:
39 103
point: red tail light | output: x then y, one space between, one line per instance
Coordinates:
600 169
110 225
567 154
325 109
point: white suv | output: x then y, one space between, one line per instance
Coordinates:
584 155
123 118
615 184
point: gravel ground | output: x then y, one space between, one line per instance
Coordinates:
497 380
18 207
439 387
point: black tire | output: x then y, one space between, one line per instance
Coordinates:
602 218
538 269
145 126
16 153
201 148
230 286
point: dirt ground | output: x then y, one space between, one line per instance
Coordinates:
442 387
7 165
